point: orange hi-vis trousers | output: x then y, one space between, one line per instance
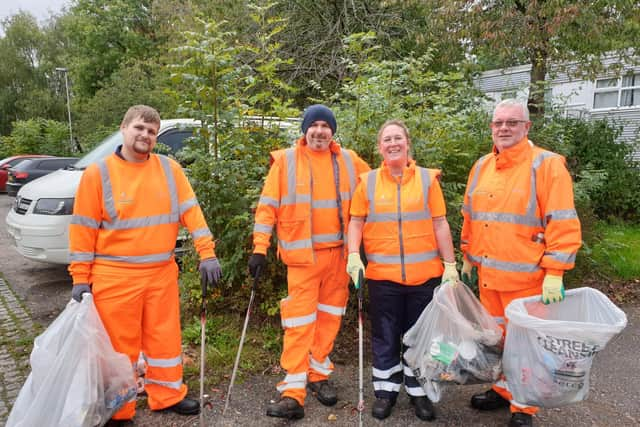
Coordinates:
495 303
140 310
311 316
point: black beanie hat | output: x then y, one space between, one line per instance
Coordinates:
318 112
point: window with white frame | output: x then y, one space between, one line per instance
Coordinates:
617 92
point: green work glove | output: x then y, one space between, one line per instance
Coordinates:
450 273
469 273
354 267
552 289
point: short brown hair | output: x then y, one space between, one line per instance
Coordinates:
148 114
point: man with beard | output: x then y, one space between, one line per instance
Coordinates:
126 215
306 196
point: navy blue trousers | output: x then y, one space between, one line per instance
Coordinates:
394 308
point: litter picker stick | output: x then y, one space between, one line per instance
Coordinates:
203 323
244 332
360 352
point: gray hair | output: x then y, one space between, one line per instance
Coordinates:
514 103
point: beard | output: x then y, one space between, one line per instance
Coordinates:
142 147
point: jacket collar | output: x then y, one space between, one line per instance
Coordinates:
513 155
408 172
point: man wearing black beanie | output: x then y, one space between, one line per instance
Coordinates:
307 196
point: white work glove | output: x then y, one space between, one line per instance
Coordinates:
354 267
552 289
450 273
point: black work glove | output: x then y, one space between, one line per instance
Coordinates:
78 290
210 272
257 261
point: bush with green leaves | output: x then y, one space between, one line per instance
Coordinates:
37 136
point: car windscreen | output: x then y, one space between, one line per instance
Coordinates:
105 148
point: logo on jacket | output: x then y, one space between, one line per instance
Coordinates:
124 199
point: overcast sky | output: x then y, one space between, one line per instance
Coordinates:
41 9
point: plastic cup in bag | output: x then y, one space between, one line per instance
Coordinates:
549 348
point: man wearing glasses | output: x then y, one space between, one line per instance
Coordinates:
520 230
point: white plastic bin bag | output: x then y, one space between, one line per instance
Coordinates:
454 340
549 348
77 378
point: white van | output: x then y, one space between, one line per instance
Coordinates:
39 220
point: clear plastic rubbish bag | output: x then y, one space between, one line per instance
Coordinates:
549 348
455 340
77 378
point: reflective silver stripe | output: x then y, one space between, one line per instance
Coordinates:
297 244
293 322
145 221
169 384
562 214
371 192
171 184
393 216
269 201
518 267
164 363
562 257
262 228
107 191
327 238
408 258
323 368
201 232
291 198
332 309
81 256
295 199
465 208
324 204
345 195
185 206
415 391
531 221
293 381
386 386
85 221
464 241
137 259
386 373
474 180
426 184
351 170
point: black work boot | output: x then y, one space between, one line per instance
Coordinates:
520 419
324 391
381 408
488 401
286 407
424 408
185 407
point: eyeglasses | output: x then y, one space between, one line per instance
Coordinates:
510 123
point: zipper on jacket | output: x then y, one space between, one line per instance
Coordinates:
402 266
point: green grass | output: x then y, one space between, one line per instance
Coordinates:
618 250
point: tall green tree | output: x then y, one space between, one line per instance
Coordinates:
548 34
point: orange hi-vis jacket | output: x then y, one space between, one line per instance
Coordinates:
308 213
399 240
127 214
519 218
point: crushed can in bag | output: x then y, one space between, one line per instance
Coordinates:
549 349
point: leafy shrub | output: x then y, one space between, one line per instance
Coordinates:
37 136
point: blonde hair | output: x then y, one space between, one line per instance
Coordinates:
148 115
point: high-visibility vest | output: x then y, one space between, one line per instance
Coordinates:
127 214
287 201
398 236
519 217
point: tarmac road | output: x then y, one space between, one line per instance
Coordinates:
40 292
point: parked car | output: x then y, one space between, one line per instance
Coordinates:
30 169
9 162
38 223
